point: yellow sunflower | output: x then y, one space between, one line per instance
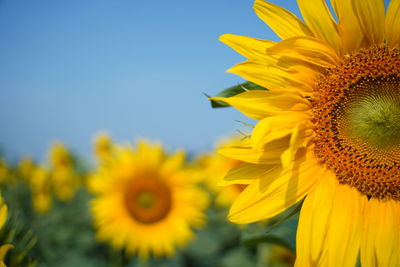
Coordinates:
41 192
103 146
64 179
26 167
145 202
328 130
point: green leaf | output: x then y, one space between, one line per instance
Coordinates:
234 90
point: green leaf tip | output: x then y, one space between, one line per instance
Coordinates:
232 91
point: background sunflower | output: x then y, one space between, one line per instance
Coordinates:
145 201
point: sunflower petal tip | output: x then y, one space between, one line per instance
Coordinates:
231 70
222 37
235 215
258 2
237 220
234 218
225 38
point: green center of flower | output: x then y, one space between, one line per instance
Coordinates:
376 121
146 199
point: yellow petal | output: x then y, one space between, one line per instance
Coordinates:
311 230
259 104
275 127
300 137
305 49
319 19
269 155
380 244
346 219
151 154
284 23
247 46
276 191
393 23
371 16
256 49
269 76
244 173
349 27
3 212
173 162
98 185
330 224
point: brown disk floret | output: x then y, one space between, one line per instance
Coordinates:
368 77
148 200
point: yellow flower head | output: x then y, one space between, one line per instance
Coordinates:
38 179
25 168
60 156
145 202
103 146
41 189
328 128
63 177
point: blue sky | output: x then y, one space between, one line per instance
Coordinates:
69 69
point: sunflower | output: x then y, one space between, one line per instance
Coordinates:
145 202
328 129
103 146
65 180
41 192
25 168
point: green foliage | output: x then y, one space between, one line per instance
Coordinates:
278 231
17 233
232 91
66 236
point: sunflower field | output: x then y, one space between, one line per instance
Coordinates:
313 180
136 206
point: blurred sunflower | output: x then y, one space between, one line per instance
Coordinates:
145 202
63 177
103 146
39 183
328 129
26 166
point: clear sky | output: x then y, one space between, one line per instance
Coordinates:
69 69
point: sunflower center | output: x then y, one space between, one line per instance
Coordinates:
148 200
357 121
376 120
